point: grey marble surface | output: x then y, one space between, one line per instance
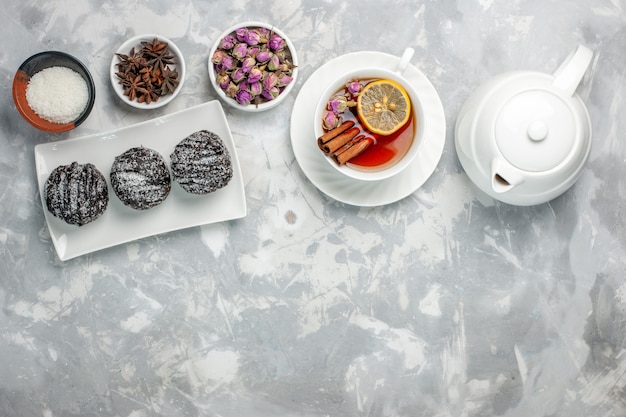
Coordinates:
446 303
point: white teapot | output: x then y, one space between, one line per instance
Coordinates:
523 137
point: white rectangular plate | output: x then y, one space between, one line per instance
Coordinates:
119 223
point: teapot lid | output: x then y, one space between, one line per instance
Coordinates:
536 130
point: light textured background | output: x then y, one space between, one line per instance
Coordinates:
444 304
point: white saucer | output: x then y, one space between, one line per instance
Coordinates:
351 191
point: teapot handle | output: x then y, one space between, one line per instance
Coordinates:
571 71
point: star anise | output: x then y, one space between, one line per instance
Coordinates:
132 62
148 96
146 74
161 61
154 48
133 87
170 81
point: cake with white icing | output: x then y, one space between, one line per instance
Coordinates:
76 193
201 164
140 178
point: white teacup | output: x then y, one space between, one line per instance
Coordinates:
369 73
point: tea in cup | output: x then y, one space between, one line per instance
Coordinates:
368 122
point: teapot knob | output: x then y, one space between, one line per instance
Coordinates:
538 131
571 71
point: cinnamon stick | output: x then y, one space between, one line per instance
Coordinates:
347 145
337 142
352 151
335 132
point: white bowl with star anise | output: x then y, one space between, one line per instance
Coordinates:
147 71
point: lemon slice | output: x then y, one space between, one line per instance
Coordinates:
383 106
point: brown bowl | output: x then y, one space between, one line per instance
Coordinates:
37 63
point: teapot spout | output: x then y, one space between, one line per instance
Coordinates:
503 177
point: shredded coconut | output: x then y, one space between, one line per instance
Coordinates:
57 94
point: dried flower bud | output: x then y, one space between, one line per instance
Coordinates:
228 42
283 80
240 50
265 34
263 56
228 63
243 97
337 104
253 51
271 93
276 43
231 90
273 63
240 34
270 81
223 80
247 64
330 120
354 87
252 37
255 75
218 56
255 88
238 75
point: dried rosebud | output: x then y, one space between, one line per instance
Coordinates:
228 42
265 34
252 37
228 63
271 93
282 55
255 88
270 81
247 64
337 104
255 75
283 80
263 56
240 34
330 120
238 75
253 51
231 90
218 56
353 87
243 96
276 43
223 80
273 63
240 50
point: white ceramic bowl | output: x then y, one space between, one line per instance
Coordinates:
387 171
265 105
135 42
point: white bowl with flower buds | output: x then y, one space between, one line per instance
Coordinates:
253 66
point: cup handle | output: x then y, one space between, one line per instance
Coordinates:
405 59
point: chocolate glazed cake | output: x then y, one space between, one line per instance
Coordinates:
201 163
140 178
76 193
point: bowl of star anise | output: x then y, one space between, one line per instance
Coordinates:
147 71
